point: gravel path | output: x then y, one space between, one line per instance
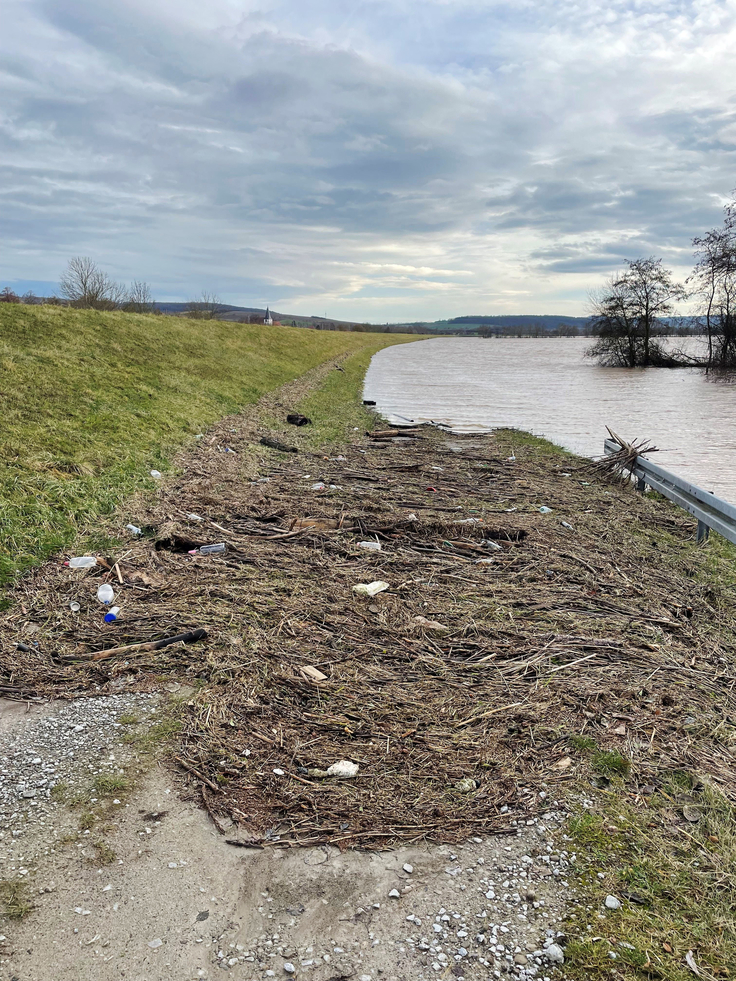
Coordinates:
178 902
54 745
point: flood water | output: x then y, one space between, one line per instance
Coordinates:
545 386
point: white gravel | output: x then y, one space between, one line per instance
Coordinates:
62 742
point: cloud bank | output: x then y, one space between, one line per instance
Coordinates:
372 159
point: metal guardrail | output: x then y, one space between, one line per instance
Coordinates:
711 511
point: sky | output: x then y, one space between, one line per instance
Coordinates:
375 160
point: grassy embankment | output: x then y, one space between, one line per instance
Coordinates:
91 402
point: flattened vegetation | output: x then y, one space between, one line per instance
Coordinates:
503 633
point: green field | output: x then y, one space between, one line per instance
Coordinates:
91 402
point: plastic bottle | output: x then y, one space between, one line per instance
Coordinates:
82 562
134 530
105 593
112 614
156 474
209 549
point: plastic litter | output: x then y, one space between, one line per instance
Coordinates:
431 626
134 529
318 486
156 474
195 517
112 614
545 510
371 588
491 545
209 549
566 524
370 546
105 593
343 770
82 562
74 606
466 786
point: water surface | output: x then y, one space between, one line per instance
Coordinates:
545 386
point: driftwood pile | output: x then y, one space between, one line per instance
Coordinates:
503 631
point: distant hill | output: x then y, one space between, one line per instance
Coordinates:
242 315
548 321
508 324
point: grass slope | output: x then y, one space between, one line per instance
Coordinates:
91 402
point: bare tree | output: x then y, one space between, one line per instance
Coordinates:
207 306
139 298
714 282
628 312
8 296
84 284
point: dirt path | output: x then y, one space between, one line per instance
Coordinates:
168 898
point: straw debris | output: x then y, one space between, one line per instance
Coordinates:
455 692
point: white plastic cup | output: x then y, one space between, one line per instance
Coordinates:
105 593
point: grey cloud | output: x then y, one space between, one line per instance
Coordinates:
360 133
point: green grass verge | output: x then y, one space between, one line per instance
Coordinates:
92 401
336 406
673 877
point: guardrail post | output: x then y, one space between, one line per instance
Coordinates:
641 485
703 532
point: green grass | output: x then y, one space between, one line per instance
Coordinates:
336 406
92 401
582 743
610 763
153 738
104 855
108 784
129 719
87 821
678 877
14 901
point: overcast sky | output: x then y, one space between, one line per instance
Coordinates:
371 159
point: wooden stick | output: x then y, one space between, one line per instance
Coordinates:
153 645
200 776
477 718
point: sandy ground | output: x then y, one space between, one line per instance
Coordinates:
177 902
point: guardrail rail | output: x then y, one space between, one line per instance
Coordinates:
711 511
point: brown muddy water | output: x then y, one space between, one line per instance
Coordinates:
545 386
